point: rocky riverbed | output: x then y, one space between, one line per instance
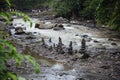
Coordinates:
59 51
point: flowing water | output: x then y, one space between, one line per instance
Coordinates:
72 33
55 70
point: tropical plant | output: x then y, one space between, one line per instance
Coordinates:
7 50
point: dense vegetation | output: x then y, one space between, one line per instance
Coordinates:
105 12
7 50
27 5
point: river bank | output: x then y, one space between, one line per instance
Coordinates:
102 46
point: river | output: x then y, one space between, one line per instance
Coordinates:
100 45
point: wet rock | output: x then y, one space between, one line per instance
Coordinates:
43 41
50 40
96 41
83 46
110 39
76 34
70 49
75 51
74 59
35 33
115 44
60 41
42 25
116 53
54 45
61 74
85 56
88 39
68 25
105 67
77 56
37 25
58 27
84 36
11 27
80 79
2 19
61 20
50 48
30 37
19 31
59 48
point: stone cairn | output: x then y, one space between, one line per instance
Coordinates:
50 47
83 50
43 42
70 49
50 40
83 46
60 41
54 45
59 48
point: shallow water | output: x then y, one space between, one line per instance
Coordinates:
51 69
72 33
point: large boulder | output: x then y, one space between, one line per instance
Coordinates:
58 27
42 25
19 30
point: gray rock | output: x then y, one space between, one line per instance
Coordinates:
85 56
83 46
50 40
70 49
76 34
96 41
43 41
84 36
42 25
19 30
105 67
115 44
58 27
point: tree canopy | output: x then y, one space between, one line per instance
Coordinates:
105 12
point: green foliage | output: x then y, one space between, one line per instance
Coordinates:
27 5
7 16
67 7
90 6
7 50
32 61
108 13
105 12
